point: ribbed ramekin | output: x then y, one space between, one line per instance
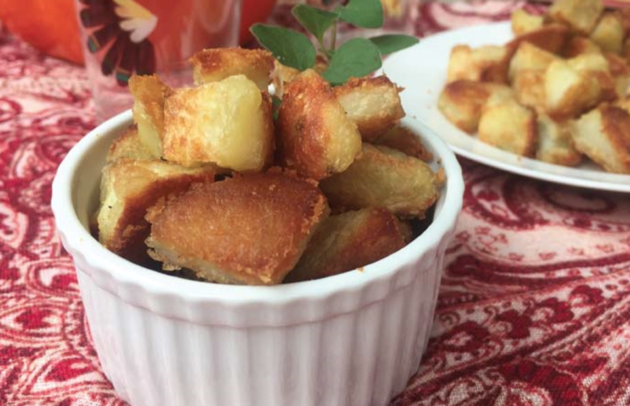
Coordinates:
353 339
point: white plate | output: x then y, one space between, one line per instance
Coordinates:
421 70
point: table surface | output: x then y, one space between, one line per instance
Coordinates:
534 307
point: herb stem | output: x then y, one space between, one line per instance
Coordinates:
333 38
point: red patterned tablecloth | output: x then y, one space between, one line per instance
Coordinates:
534 307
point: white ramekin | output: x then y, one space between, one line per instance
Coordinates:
353 339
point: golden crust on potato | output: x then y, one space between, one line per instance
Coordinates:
484 64
128 189
580 15
149 94
551 38
577 45
609 33
315 136
405 140
128 145
348 241
372 103
227 123
250 229
603 134
529 57
213 65
620 72
462 101
529 88
281 76
383 177
524 22
510 127
569 92
555 144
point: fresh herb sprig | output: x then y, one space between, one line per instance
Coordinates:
354 58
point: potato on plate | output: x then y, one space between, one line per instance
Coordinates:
461 101
128 145
603 134
596 66
578 45
484 64
372 103
315 136
128 189
529 88
551 38
580 15
149 94
609 33
569 92
555 143
250 229
405 140
524 22
529 57
510 127
620 72
348 241
214 65
227 123
383 177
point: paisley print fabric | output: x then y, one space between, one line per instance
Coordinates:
534 307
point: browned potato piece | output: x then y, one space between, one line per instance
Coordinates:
128 189
569 92
578 45
523 22
213 65
529 88
580 15
603 134
128 145
624 104
555 144
405 140
609 33
484 64
529 57
510 127
250 229
620 72
596 66
227 123
348 241
281 76
551 38
149 93
383 177
461 101
315 136
372 103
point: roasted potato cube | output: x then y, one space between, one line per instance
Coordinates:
214 65
609 33
484 64
578 45
596 66
315 136
580 15
529 88
227 123
555 144
405 140
524 22
620 72
529 57
372 103
348 241
128 145
128 189
510 127
569 92
551 38
603 134
461 101
250 229
149 93
281 76
383 177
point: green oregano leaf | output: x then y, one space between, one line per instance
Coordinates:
362 13
290 47
314 20
388 44
357 57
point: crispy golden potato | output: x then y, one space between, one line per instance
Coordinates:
383 177
214 65
128 189
405 140
461 101
580 15
250 229
529 88
510 127
555 143
603 135
551 38
577 45
609 33
128 145
529 57
623 103
372 103
227 123
597 67
484 64
569 92
315 136
348 241
524 22
149 93
281 76
620 72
